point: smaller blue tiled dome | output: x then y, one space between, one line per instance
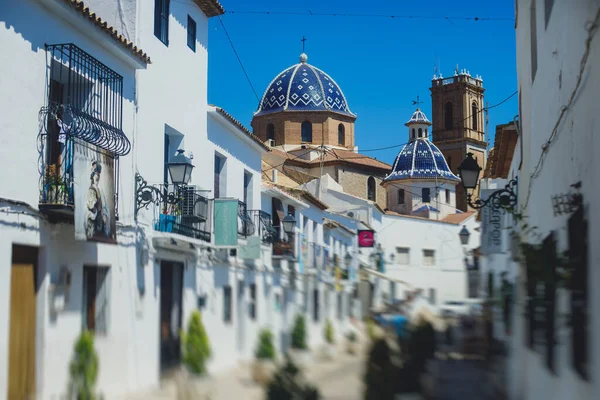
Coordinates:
303 87
420 159
418 117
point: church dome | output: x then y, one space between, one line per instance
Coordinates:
420 159
303 87
418 117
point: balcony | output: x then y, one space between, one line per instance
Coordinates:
183 210
264 225
246 226
80 133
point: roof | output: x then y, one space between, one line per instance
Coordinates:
338 156
500 159
303 87
238 124
211 8
420 159
85 11
283 178
458 218
306 195
418 117
426 207
329 223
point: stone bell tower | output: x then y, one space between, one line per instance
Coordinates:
458 122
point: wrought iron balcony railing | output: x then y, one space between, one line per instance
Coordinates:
264 225
182 210
246 225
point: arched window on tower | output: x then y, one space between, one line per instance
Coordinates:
306 131
271 132
448 116
341 135
400 196
474 114
420 132
413 133
371 191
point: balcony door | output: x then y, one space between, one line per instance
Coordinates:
171 282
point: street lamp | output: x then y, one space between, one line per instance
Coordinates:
289 223
469 172
180 168
348 260
464 235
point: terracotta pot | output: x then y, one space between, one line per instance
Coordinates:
262 371
302 358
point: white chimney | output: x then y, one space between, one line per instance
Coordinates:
274 175
356 149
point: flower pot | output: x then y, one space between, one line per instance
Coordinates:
165 223
191 386
262 371
351 347
301 358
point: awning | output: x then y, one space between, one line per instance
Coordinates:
80 125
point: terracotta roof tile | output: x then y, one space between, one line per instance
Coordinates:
211 8
337 156
79 6
457 218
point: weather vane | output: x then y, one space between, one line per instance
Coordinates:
303 42
415 102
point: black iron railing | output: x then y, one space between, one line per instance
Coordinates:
246 226
264 225
183 210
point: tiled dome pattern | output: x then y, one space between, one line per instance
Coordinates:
420 159
418 117
303 87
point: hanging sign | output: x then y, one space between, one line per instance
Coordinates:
366 238
492 221
226 220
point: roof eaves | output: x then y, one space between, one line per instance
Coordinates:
79 6
240 126
211 8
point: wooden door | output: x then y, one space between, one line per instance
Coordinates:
21 380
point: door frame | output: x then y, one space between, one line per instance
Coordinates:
168 263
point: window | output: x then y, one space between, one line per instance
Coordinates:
219 183
448 116
371 191
403 255
271 132
400 196
447 196
548 4
428 257
291 210
278 215
161 20
341 135
340 307
191 34
252 305
474 114
413 133
95 299
420 132
426 195
316 305
306 131
227 303
277 302
533 39
166 157
247 189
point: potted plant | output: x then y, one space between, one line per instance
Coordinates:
264 364
195 352
351 342
288 383
329 348
299 347
83 369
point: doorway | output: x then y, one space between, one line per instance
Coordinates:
23 293
241 310
171 282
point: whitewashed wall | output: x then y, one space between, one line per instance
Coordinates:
571 157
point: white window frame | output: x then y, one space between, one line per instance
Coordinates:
425 258
400 254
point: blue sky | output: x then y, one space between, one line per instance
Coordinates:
381 64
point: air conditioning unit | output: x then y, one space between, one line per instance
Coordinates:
270 142
194 207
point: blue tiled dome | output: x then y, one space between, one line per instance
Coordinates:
303 87
418 117
420 159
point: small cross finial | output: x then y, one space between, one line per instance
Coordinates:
303 43
418 101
